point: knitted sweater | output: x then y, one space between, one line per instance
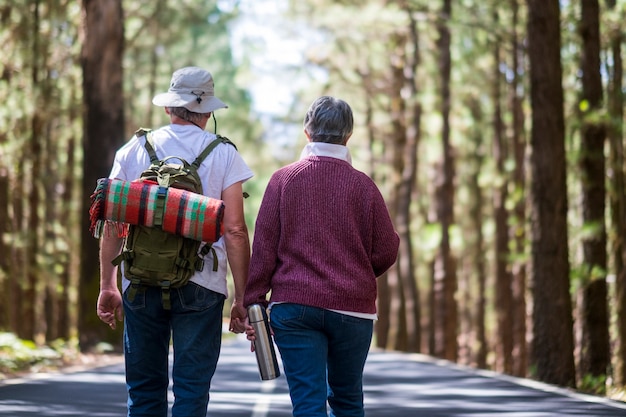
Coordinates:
323 234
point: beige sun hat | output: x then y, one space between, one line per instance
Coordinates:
191 88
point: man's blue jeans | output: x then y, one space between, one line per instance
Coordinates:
323 356
194 324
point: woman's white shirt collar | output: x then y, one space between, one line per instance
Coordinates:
326 149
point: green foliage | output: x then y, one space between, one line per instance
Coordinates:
17 355
40 132
593 384
165 35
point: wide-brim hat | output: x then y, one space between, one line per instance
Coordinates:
191 88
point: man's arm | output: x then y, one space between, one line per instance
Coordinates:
110 299
238 251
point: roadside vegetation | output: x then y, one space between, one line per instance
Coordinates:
19 356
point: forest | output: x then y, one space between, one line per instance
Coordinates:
494 129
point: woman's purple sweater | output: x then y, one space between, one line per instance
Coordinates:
323 234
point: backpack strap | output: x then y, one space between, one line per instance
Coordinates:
196 164
219 139
208 247
166 300
154 159
224 139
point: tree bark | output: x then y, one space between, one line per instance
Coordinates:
445 280
477 306
617 195
396 149
31 326
103 133
595 356
552 345
5 229
407 190
518 229
503 292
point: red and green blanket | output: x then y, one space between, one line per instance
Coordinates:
146 203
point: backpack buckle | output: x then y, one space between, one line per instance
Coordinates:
199 264
165 295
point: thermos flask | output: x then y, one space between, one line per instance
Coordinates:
263 345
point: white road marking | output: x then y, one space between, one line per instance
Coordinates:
263 402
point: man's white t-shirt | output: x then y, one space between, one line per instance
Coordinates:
221 169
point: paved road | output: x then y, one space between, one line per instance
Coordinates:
397 385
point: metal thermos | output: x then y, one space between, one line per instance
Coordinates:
263 344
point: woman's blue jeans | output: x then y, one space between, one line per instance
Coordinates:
323 356
194 325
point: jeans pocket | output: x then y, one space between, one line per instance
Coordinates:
286 313
193 297
357 321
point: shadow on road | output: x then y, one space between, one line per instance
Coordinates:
420 386
398 385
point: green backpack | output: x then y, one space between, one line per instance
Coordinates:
153 257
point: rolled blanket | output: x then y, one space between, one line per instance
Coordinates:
145 203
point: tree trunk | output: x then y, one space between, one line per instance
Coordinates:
66 322
32 329
617 196
383 299
477 303
406 115
383 326
396 148
595 357
398 295
518 229
503 295
5 229
18 276
103 134
445 280
409 179
552 345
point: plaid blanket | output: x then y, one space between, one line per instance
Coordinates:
145 203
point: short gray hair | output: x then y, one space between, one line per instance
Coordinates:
190 116
329 120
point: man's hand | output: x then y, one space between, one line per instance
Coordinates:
110 307
238 316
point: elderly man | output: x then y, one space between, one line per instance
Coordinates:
193 321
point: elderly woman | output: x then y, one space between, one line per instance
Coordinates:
323 235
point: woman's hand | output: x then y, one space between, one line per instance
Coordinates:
250 334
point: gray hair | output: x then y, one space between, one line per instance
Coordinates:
190 116
329 120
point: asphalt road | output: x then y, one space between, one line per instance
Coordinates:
398 385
